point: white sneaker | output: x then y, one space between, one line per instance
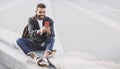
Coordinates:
44 62
37 60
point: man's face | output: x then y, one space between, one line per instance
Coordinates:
41 12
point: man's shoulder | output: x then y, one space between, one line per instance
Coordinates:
48 18
33 18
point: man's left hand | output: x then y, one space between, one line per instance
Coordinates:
47 29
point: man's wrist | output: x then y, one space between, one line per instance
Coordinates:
49 32
38 32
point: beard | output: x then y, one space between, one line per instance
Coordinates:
41 16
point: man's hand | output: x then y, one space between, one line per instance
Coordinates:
44 29
47 29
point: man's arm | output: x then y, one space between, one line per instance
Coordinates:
31 29
52 34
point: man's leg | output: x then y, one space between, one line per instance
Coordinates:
49 46
26 46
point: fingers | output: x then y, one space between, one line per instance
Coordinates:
46 28
43 30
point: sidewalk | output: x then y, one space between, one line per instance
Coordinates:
89 31
63 59
9 4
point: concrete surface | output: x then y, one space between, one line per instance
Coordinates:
90 30
87 32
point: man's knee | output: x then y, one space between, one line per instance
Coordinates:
19 41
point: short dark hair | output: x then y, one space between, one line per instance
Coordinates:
41 5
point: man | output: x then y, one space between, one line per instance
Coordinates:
41 36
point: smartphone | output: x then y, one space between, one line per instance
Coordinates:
46 24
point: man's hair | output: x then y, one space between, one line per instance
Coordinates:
41 5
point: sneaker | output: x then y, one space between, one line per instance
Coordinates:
44 62
37 60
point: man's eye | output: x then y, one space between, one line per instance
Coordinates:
41 11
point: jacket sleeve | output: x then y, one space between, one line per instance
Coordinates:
31 29
52 28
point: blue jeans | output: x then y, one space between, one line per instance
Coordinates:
27 45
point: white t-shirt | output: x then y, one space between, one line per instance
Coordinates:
40 23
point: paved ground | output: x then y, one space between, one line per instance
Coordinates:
88 29
9 62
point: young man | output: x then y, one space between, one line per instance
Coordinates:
41 36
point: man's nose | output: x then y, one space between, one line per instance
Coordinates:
42 13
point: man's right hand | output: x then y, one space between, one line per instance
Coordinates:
42 30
